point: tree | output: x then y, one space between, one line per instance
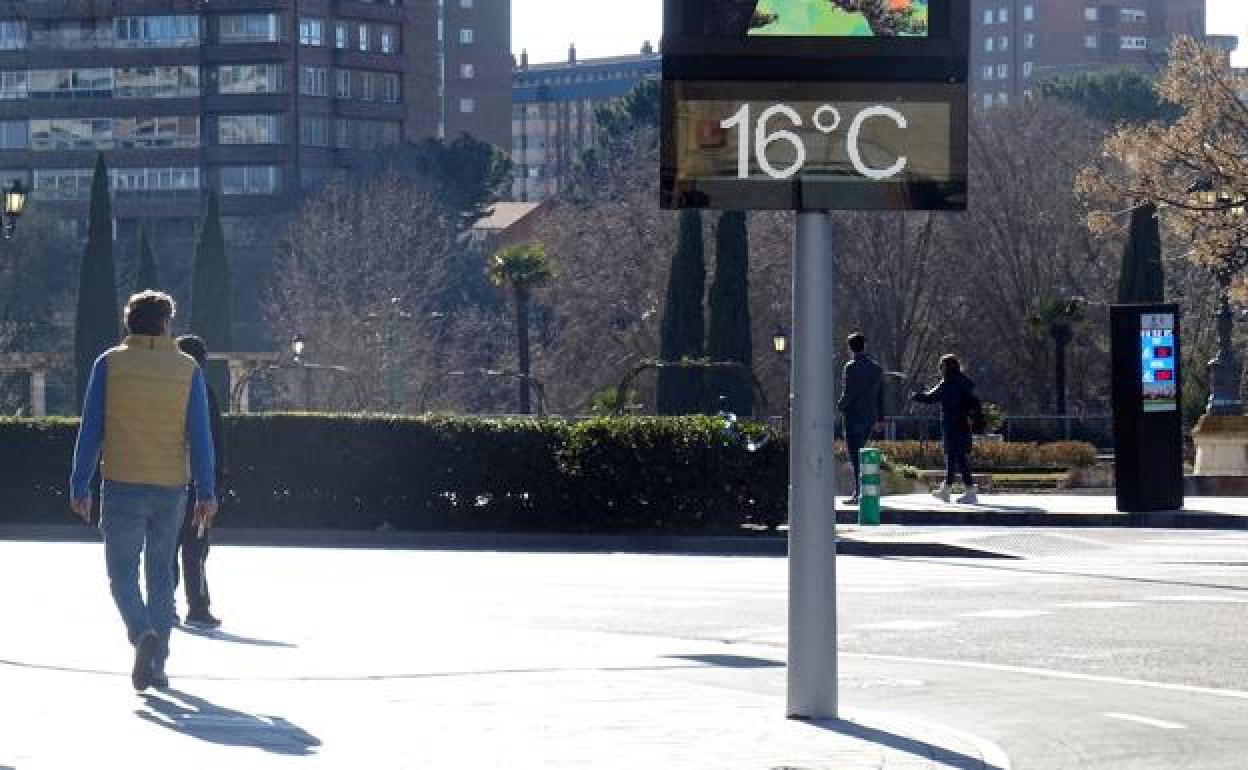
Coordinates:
1113 97
1143 278
211 316
96 325
146 275
683 326
522 268
729 333
469 174
1057 317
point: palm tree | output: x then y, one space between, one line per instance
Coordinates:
521 268
1058 317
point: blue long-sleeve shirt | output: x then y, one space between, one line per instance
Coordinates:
91 435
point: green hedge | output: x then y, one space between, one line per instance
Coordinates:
683 474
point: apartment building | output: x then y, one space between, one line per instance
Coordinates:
255 99
552 118
1016 43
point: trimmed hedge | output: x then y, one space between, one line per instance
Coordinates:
679 474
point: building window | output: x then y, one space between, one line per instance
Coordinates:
1003 99
1029 13
1028 68
1090 41
249 28
467 71
988 16
389 39
342 84
13 85
364 37
314 131
1003 43
1003 71
987 101
1003 16
70 84
465 3
114 133
988 70
390 88
367 91
156 82
1027 94
136 181
1134 43
311 32
467 105
465 36
249 180
249 129
249 79
1132 15
340 35
342 133
156 31
12 35
988 45
14 135
314 81
1091 13
1029 40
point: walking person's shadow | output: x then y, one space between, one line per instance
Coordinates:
203 720
226 636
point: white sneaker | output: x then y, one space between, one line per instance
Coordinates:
971 497
941 493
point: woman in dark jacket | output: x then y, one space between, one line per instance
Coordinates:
955 394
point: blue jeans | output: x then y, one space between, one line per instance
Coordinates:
138 519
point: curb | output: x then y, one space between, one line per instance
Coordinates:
969 517
699 545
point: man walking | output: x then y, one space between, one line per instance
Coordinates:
861 403
193 541
146 403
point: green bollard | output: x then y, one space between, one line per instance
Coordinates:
869 485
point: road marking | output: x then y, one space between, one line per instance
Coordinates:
1053 674
1097 605
1005 614
1146 721
1205 599
904 625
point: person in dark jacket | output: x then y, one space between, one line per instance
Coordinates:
192 541
861 403
955 394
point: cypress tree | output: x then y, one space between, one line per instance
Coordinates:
97 326
146 275
682 328
1142 278
210 292
729 336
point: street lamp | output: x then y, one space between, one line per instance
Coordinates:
780 340
14 205
1224 370
297 346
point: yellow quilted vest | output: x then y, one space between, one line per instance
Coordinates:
148 387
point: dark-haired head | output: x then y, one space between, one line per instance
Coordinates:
857 342
195 348
149 313
949 365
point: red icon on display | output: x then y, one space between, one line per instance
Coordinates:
1163 352
1165 375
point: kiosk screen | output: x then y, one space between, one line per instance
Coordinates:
1157 357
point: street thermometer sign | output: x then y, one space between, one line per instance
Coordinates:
815 104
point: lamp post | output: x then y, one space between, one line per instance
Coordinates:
780 341
1224 370
297 347
14 206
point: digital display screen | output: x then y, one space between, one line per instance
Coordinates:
1158 363
813 146
839 18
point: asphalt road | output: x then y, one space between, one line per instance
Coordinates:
1101 649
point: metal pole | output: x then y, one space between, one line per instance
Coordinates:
812 688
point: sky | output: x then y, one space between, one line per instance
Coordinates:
607 28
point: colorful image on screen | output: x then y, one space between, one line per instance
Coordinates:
840 18
1158 363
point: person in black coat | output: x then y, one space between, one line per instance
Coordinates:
956 396
192 544
861 403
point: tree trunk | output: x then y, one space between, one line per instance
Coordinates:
522 348
1061 340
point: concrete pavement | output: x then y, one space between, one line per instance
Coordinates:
1063 510
331 660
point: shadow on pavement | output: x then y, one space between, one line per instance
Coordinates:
729 661
226 636
901 743
198 718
